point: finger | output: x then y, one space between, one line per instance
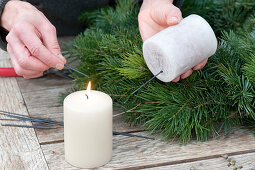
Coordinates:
157 19
18 69
23 56
14 64
37 49
174 16
176 79
200 65
166 14
21 71
33 76
148 31
48 33
49 36
186 74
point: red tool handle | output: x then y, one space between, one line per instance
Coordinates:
8 72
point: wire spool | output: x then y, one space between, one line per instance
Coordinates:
179 48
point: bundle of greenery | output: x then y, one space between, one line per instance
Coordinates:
215 99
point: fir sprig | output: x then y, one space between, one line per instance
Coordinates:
216 99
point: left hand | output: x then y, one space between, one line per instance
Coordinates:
156 15
32 40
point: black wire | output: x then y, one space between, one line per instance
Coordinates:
20 117
28 126
131 135
147 82
71 68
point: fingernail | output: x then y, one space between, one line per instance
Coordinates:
176 79
62 57
173 20
59 66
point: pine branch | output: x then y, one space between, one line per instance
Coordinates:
216 99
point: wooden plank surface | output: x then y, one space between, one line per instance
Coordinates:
19 147
246 161
141 153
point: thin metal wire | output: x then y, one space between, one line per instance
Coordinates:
47 122
147 82
26 116
28 119
131 135
76 70
21 116
27 126
14 120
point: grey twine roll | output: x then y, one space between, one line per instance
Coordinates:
178 48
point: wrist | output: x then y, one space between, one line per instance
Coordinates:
9 14
149 1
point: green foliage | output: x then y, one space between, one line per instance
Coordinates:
250 68
221 14
216 99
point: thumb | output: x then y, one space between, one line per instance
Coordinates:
167 14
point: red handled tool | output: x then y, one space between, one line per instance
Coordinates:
8 72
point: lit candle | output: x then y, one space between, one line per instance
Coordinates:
88 128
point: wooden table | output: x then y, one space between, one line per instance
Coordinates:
22 148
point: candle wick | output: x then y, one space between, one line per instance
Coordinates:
87 96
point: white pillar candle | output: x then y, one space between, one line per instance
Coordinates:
88 128
178 48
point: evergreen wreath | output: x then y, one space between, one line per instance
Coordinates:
217 98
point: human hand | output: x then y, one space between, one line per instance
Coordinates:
156 15
32 40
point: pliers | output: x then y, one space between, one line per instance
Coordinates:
10 72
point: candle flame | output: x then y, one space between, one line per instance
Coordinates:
88 88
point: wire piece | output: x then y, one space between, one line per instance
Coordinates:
12 119
17 118
27 126
132 135
26 119
29 118
71 68
40 121
147 82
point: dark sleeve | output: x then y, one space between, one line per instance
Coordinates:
178 3
64 18
3 32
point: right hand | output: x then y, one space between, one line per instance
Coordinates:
156 15
32 40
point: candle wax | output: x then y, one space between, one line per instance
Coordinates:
88 129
